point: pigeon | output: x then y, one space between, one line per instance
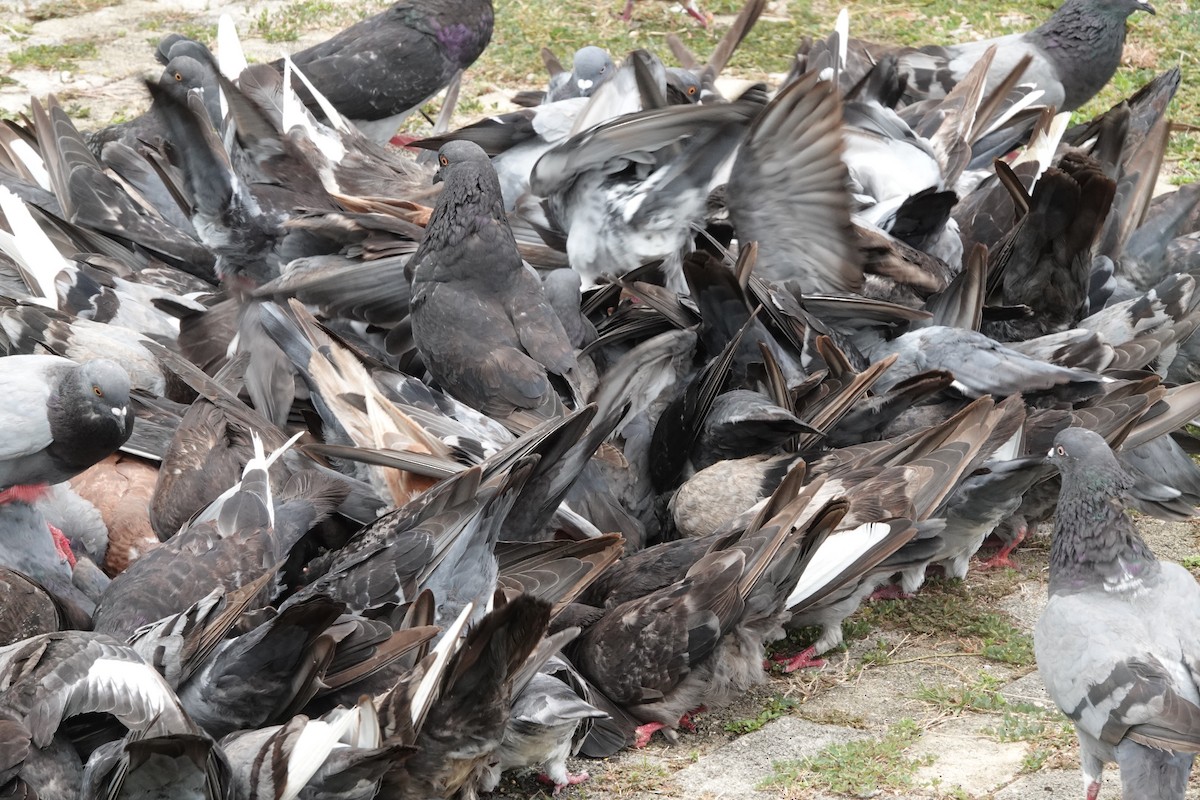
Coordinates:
379 70
480 319
590 67
1075 53
59 418
1117 644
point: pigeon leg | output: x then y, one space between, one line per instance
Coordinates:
627 14
573 779
687 723
29 493
1001 559
1093 790
643 733
62 544
805 658
890 592
695 13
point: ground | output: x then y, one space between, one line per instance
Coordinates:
933 697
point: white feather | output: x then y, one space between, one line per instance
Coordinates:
446 647
32 249
230 57
834 555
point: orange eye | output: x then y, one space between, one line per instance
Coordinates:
691 90
445 162
96 391
178 76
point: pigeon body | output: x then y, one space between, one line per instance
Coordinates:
480 319
377 71
1118 644
1075 53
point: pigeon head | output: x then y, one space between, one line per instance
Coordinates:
103 390
456 158
1122 8
683 86
1086 460
591 67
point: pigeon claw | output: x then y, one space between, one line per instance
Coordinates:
890 592
62 545
802 660
572 780
1001 559
643 733
1093 790
687 723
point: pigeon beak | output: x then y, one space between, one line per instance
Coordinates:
583 84
1149 9
119 413
437 176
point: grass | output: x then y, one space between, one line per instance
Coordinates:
954 609
52 56
860 768
57 9
774 708
286 24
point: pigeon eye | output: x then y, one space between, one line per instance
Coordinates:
96 391
445 162
178 76
691 90
1060 451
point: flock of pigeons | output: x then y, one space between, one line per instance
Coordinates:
331 470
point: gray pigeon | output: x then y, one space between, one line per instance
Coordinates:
1075 53
1118 645
59 417
479 317
590 67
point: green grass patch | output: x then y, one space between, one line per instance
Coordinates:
951 608
52 56
861 768
58 9
774 708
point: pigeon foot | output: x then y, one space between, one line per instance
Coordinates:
1093 790
29 493
1001 559
802 660
62 545
890 592
687 723
573 779
643 733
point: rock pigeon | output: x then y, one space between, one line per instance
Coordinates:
1075 53
377 71
480 318
59 417
1117 645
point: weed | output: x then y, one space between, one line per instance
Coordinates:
52 56
55 9
775 708
860 768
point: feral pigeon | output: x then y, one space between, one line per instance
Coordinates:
1118 643
377 71
479 317
1075 53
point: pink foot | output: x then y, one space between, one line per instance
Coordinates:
1093 790
1001 559
890 592
802 660
30 493
687 723
62 544
643 733
572 780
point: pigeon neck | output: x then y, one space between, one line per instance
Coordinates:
1096 545
1078 34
